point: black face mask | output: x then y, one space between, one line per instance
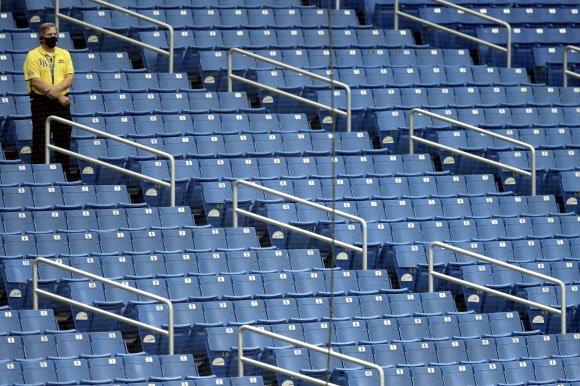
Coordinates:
51 42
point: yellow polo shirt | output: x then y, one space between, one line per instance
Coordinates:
39 64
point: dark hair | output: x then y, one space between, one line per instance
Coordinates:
43 28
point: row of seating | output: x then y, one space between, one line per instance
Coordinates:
548 65
194 318
22 42
198 101
18 272
93 219
125 241
517 17
554 143
57 197
485 96
406 76
555 152
381 12
18 132
193 124
178 264
421 209
552 296
523 39
360 339
391 127
563 371
53 344
384 238
191 42
371 110
523 285
550 166
226 18
130 82
83 62
19 174
237 287
457 98
410 261
123 368
22 322
211 62
192 173
373 199
248 145
138 5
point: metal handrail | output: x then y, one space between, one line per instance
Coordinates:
301 231
507 50
37 291
49 146
318 349
565 64
433 274
274 90
413 138
58 15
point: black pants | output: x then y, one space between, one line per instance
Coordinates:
43 107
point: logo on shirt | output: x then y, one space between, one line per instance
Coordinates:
43 62
31 73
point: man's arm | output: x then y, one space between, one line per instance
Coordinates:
54 91
40 85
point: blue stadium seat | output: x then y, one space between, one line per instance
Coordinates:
107 343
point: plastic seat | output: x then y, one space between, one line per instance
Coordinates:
39 345
549 369
446 326
11 348
177 102
143 217
317 332
86 83
427 374
565 343
182 288
112 195
542 346
87 104
115 241
178 366
142 366
481 349
38 370
18 221
107 369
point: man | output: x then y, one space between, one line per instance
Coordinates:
49 72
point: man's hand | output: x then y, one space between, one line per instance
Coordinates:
65 101
53 93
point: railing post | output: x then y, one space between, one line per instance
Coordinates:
560 283
170 317
273 90
364 230
294 342
170 184
169 53
507 50
532 149
565 71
